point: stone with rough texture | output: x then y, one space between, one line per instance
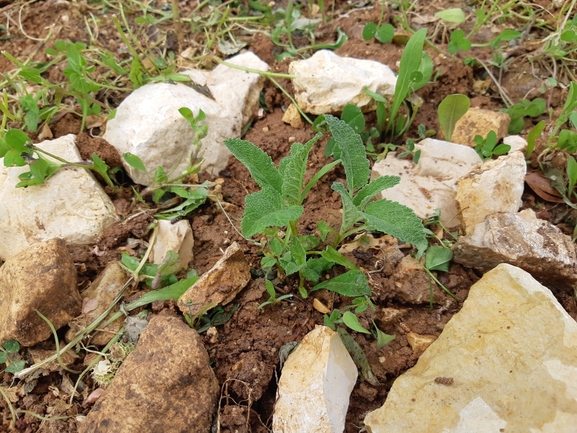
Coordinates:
175 237
522 240
326 82
41 277
496 186
96 300
431 184
71 205
165 385
478 121
419 343
219 285
293 117
148 123
509 358
315 385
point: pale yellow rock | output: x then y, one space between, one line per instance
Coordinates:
496 186
315 386
512 354
478 121
293 117
419 343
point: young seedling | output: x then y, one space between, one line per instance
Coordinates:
487 148
278 206
273 298
7 352
524 108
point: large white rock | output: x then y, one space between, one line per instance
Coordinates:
148 124
315 385
431 184
507 362
71 205
523 240
497 186
326 82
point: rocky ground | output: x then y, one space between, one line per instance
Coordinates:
243 352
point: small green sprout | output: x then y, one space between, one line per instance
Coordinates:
273 298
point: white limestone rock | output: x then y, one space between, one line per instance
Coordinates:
517 143
315 385
511 353
326 82
496 186
431 184
175 237
148 123
71 205
522 240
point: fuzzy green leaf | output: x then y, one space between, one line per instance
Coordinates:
358 356
259 164
16 366
397 220
352 284
372 189
293 172
353 154
351 215
11 346
264 209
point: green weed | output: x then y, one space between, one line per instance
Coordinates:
488 147
450 110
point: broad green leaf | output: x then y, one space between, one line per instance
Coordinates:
454 15
369 31
438 258
353 155
397 220
425 71
352 283
385 33
170 264
134 161
324 230
13 158
3 357
332 255
358 356
259 164
16 366
410 61
450 110
264 209
354 117
351 214
352 321
17 140
11 346
372 189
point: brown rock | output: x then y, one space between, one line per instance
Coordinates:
219 285
42 277
164 385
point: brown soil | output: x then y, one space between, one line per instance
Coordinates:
245 350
